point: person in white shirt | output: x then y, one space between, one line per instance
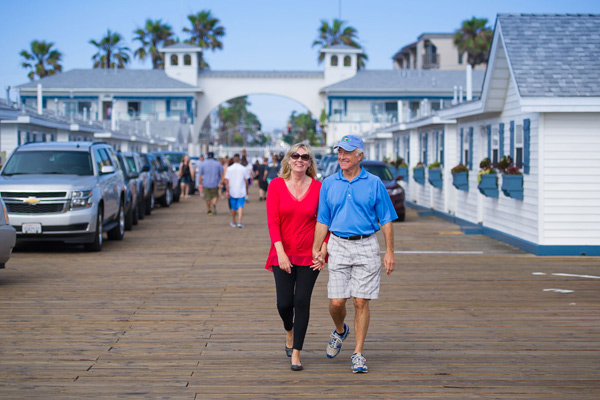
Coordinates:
236 183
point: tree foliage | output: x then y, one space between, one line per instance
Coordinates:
206 32
42 60
111 52
152 37
474 38
302 128
338 33
236 122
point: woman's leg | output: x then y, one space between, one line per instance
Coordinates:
305 282
284 287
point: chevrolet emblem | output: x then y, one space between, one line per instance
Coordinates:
31 200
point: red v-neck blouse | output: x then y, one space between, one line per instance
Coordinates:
292 222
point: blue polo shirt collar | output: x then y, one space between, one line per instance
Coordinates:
362 175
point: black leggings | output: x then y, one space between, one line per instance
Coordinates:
288 299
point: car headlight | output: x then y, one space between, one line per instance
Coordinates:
81 199
395 191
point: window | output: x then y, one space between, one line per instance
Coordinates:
414 108
334 61
133 109
148 107
178 108
465 147
440 146
347 61
519 146
495 146
174 59
187 59
337 109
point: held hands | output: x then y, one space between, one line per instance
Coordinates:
319 258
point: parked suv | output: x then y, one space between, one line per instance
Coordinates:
64 191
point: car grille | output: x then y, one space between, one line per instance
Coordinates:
39 195
59 228
23 208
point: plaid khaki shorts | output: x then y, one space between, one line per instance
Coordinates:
354 268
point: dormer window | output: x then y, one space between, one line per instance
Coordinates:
334 61
347 61
174 59
187 59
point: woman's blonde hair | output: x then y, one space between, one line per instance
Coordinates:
286 171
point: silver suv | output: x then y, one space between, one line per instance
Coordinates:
64 191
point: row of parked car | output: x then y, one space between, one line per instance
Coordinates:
74 192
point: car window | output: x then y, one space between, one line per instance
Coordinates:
174 158
131 163
380 170
105 157
58 162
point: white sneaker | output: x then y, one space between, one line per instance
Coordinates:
232 224
359 364
240 225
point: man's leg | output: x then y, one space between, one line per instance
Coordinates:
337 310
239 213
362 317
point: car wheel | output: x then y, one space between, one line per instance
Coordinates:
176 194
150 202
129 219
141 209
118 232
96 245
167 199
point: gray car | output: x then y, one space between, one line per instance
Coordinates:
64 191
7 236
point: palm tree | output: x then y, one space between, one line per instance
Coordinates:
205 33
155 34
338 33
475 39
111 54
46 59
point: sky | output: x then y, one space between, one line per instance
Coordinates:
260 34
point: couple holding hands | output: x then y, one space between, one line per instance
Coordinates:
310 221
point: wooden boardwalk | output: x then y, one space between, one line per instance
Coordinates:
183 309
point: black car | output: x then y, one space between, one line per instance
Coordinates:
132 192
167 167
136 163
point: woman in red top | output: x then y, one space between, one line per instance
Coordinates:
292 202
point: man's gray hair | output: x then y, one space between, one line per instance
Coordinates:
359 151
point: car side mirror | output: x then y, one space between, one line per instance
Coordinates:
107 169
146 168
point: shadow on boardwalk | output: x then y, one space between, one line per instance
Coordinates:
183 309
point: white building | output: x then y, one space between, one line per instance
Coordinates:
540 104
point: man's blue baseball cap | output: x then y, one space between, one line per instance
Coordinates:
350 142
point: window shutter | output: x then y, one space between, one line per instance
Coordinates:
501 140
471 148
512 140
408 150
437 145
168 107
426 148
526 144
462 150
489 141
443 149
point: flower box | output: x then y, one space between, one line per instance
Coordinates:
419 175
512 186
403 172
460 180
435 178
488 185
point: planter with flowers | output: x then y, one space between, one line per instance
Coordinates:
460 177
419 173
487 179
401 168
435 174
512 178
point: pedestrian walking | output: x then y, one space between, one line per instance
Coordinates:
291 216
186 172
353 205
209 178
261 177
236 183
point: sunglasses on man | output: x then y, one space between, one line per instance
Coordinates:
304 157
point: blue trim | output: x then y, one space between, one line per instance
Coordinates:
153 98
48 97
437 145
501 139
425 137
470 148
526 144
345 107
489 141
462 150
329 114
168 107
390 97
512 140
538 250
408 150
19 138
443 149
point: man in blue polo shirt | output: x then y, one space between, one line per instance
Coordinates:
353 204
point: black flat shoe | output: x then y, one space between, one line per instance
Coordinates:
288 351
297 367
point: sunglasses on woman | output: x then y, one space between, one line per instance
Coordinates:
304 157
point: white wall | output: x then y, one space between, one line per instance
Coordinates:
571 180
